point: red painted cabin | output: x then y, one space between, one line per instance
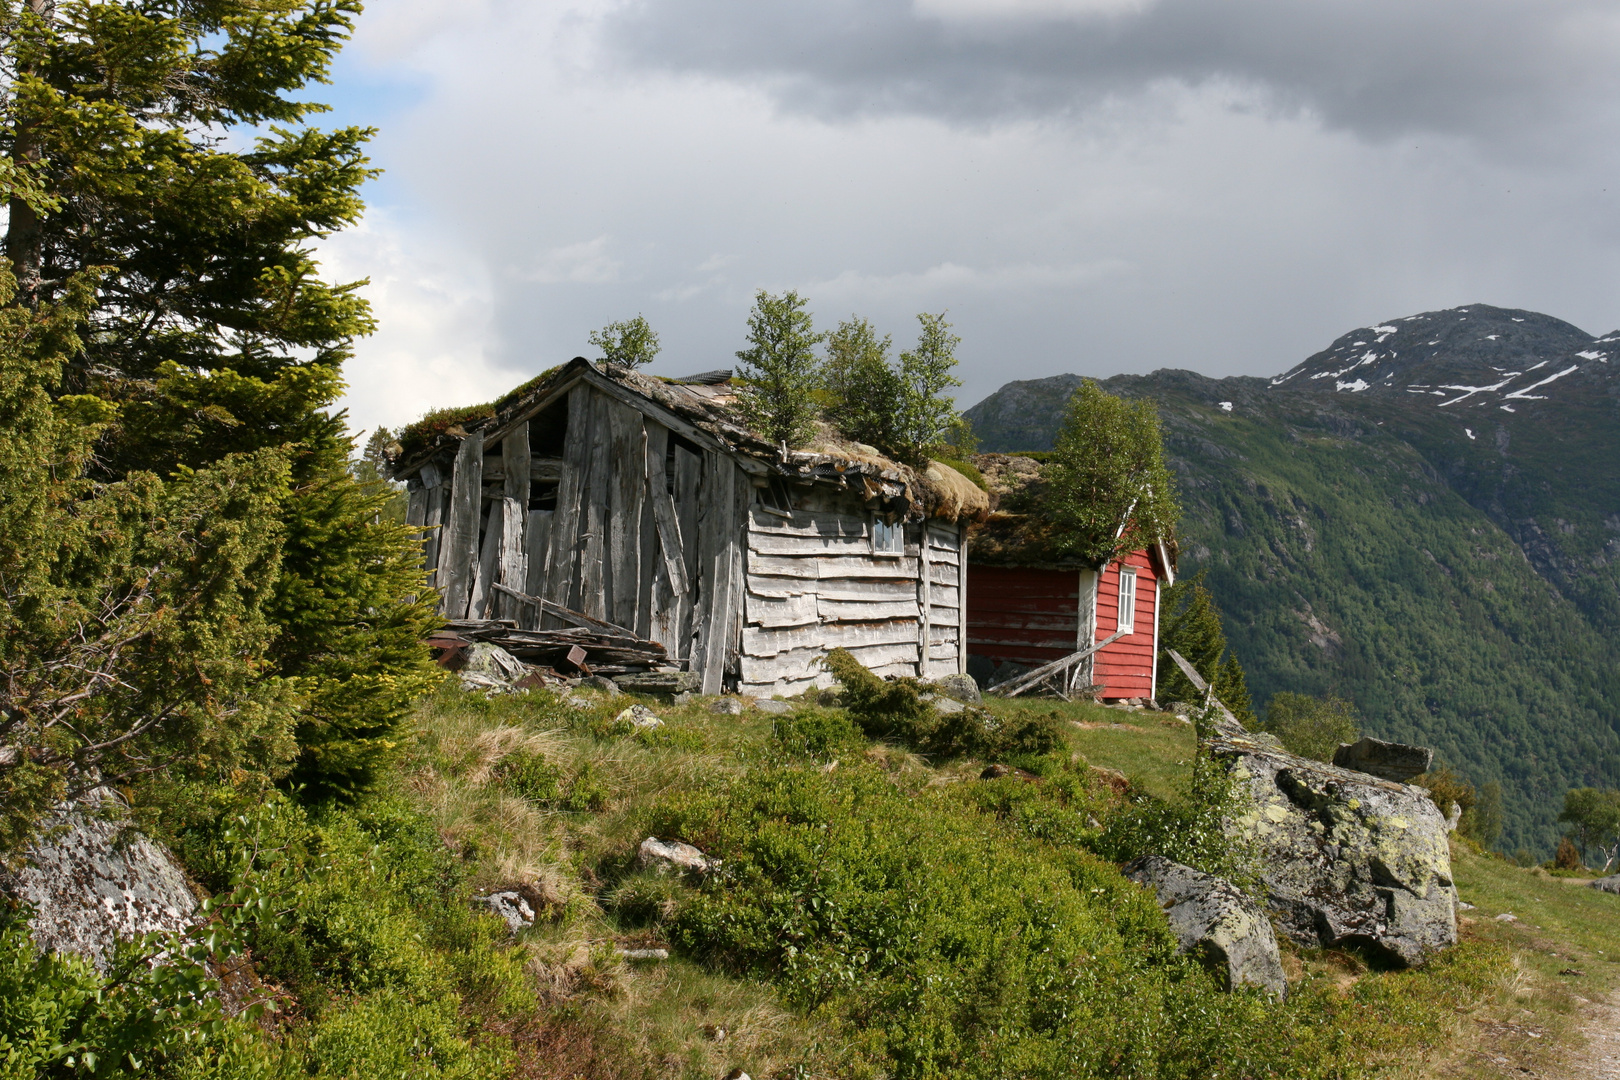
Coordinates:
1023 602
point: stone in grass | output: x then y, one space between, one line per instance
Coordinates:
727 706
1215 922
664 855
943 705
1610 884
640 717
773 707
602 683
960 687
511 907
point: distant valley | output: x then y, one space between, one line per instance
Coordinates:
1423 517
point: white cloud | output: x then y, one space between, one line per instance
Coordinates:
434 309
584 263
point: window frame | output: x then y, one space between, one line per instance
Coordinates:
1121 611
897 530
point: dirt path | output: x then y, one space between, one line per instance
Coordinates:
1600 1058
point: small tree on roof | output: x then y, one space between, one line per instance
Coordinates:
1108 490
780 369
862 386
631 343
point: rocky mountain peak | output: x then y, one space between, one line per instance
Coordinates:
1466 358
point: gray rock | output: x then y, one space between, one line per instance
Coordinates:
772 706
492 663
684 698
574 701
643 954
1610 884
663 855
1385 760
665 683
728 706
1214 921
602 683
960 687
640 717
513 908
94 883
948 706
1345 858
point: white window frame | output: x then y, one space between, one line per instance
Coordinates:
888 541
1125 614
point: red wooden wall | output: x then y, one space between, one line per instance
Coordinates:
1027 616
1125 668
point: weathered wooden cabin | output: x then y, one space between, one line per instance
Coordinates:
645 503
1031 606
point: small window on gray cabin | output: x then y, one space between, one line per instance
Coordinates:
775 498
888 539
543 495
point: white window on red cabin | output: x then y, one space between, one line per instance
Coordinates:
1127 600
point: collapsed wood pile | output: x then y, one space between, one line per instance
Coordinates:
575 650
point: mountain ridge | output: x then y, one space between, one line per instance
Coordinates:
1450 564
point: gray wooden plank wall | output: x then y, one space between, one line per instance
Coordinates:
813 585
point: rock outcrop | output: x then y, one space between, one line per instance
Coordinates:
93 882
1215 922
1385 760
1345 857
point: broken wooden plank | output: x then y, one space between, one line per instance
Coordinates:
1014 687
627 483
1188 670
568 615
652 578
590 594
789 544
562 549
480 603
718 531
536 546
511 558
458 549
515 462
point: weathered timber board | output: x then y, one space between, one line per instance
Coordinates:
814 565
458 551
655 440
811 523
925 629
590 593
627 485
962 602
536 545
758 641
481 596
562 549
784 544
718 531
438 512
865 610
785 611
515 464
688 494
512 559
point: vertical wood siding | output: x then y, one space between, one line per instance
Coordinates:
1125 668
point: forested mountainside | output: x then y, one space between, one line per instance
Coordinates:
1424 517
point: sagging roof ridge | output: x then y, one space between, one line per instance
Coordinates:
935 491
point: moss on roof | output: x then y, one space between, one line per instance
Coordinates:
421 434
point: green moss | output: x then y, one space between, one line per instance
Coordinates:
419 435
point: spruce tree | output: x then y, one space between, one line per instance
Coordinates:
780 370
1190 623
166 144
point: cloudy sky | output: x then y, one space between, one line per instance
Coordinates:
1095 186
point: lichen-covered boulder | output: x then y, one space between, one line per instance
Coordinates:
1215 922
1345 858
1610 884
960 687
93 882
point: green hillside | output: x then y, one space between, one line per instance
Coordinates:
1449 571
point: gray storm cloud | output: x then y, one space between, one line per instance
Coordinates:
1501 71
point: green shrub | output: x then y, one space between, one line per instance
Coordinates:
670 737
530 776
1312 727
816 734
388 1034
894 709
588 790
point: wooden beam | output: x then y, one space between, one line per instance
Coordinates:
458 550
567 615
515 464
719 536
511 557
481 599
626 490
562 552
962 600
925 629
1014 687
